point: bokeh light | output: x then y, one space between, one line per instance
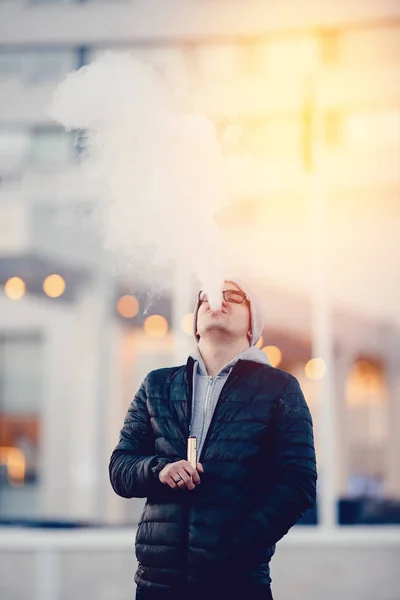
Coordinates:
315 368
274 355
54 286
15 288
128 306
187 324
156 326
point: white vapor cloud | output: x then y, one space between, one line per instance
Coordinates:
155 168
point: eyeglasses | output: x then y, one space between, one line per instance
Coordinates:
233 296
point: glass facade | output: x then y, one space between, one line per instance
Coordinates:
33 66
21 389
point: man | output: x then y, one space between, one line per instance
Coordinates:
210 532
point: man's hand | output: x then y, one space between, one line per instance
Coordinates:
181 475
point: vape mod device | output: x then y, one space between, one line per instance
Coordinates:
192 451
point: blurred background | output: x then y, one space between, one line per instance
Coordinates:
307 93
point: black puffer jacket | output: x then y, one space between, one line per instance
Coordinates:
259 474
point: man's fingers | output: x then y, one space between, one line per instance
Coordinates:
191 471
174 481
185 481
196 478
189 475
181 475
171 482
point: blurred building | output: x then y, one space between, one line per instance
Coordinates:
311 102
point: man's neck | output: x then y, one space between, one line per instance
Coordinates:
215 356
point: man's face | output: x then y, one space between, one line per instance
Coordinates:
231 321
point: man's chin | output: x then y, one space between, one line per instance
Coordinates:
217 329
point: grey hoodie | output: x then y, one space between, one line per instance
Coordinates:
206 391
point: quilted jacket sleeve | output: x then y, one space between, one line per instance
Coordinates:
294 490
131 462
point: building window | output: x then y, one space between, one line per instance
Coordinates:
37 66
20 411
14 144
274 137
370 47
10 64
51 146
329 47
363 131
298 54
333 128
219 61
366 398
380 128
42 146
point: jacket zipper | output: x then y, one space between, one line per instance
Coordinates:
198 458
208 394
206 403
185 556
223 391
